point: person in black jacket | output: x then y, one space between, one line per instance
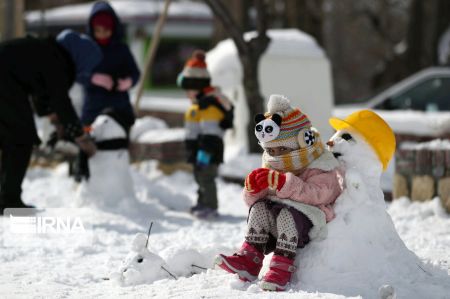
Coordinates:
43 70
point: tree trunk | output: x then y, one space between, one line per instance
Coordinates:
307 16
239 9
255 100
249 53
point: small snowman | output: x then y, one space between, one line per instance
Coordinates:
141 265
110 179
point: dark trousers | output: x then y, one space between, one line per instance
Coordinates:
14 163
205 177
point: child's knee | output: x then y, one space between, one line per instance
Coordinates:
260 206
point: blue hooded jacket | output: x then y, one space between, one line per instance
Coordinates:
85 53
117 62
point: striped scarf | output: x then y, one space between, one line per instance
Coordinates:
295 160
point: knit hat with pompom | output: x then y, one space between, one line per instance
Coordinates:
195 75
292 121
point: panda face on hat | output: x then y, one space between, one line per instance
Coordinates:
267 129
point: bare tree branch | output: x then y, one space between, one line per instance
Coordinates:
234 31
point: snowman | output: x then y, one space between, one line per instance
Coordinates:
363 253
110 181
141 265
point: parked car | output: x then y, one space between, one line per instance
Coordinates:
418 106
426 90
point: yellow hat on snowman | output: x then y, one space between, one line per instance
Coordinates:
374 129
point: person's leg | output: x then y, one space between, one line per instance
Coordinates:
15 160
207 185
287 235
200 189
260 224
282 263
247 262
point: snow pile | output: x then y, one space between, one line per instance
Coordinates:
416 123
163 135
179 103
240 166
150 129
433 145
145 124
363 253
180 240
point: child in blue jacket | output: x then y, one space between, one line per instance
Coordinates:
117 72
108 86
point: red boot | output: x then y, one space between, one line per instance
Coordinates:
279 274
246 263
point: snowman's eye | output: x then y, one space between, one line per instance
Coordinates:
346 136
269 129
259 128
140 260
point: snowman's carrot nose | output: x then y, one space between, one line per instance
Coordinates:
330 143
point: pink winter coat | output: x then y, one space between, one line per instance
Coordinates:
312 186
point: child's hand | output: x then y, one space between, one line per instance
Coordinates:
102 80
275 180
252 184
124 84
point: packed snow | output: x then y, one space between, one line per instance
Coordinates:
401 252
417 123
180 241
154 130
437 144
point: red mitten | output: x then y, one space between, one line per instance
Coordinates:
273 179
252 184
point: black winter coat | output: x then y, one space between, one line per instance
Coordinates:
37 69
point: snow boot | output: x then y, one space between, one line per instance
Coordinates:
279 274
246 263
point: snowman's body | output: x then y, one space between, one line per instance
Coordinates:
110 179
363 247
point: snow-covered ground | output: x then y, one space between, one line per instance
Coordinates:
51 271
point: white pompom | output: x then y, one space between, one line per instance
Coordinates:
278 103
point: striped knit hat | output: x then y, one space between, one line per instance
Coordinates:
195 75
292 121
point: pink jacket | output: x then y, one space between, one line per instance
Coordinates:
313 186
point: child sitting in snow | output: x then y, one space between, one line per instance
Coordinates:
290 199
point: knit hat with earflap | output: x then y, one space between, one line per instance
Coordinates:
286 126
292 121
195 75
